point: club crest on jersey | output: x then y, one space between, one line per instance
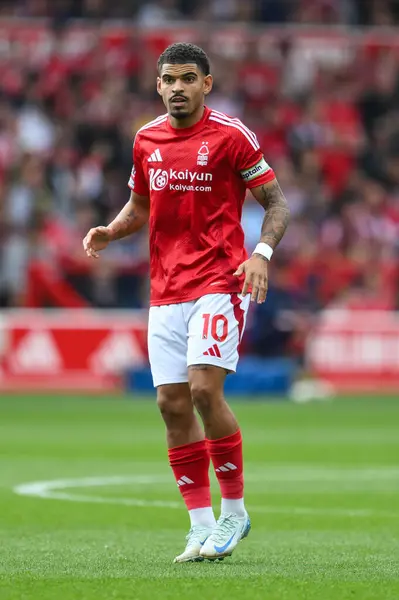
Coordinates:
203 155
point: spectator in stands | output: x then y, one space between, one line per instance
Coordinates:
157 12
326 117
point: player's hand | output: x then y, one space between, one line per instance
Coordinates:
255 269
97 239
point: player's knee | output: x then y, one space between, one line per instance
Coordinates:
204 396
171 404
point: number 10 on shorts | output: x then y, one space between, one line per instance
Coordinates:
218 326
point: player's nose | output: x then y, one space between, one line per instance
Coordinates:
178 87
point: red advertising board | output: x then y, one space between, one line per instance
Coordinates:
70 349
356 350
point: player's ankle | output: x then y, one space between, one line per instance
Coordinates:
234 506
202 516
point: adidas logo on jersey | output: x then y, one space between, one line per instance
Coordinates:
155 156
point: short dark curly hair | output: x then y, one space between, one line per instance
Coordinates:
181 53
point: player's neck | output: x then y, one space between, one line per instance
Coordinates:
188 121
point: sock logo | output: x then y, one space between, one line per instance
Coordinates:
226 467
184 481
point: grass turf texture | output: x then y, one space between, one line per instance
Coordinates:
323 481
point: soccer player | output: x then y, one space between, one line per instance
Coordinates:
192 167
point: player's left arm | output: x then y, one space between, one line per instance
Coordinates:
277 213
249 163
275 222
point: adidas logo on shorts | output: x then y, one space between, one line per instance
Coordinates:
213 351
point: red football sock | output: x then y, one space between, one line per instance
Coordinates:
190 464
226 455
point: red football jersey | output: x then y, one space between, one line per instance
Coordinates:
196 179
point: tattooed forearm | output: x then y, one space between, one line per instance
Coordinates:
277 216
132 218
124 224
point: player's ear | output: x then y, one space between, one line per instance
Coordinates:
159 86
208 83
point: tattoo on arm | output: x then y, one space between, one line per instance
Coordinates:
277 214
131 218
122 227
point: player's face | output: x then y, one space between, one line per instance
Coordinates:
183 88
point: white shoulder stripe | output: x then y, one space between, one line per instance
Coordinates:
154 122
151 124
235 120
161 117
254 144
238 122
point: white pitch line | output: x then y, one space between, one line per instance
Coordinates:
52 490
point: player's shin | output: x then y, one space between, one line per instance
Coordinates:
227 458
190 465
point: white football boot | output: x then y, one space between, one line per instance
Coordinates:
230 529
196 538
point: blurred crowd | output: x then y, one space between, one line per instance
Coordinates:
157 12
330 129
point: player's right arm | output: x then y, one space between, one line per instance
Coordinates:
133 216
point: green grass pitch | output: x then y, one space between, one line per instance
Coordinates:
322 487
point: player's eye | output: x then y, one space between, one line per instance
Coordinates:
190 79
168 80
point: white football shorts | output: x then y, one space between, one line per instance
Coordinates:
204 331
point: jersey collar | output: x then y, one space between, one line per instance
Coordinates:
183 131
